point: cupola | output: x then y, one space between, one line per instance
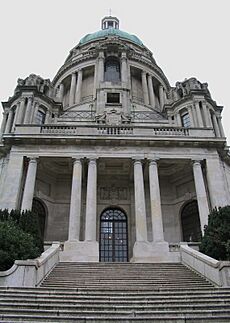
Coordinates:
110 22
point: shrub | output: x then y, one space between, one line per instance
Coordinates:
15 244
216 240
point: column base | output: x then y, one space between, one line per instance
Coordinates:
80 251
144 251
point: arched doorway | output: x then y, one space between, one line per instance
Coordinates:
40 210
113 236
190 222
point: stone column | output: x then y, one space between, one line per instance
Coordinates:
221 129
72 90
91 202
95 81
28 194
36 107
47 118
178 119
206 114
100 72
151 92
3 125
61 92
192 124
199 115
75 202
16 114
155 202
124 69
21 111
79 86
161 96
201 194
28 110
144 88
215 125
140 210
9 121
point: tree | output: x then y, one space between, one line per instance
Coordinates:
20 237
216 240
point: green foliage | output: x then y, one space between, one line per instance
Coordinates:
216 240
20 237
15 244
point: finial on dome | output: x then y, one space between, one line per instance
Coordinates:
110 22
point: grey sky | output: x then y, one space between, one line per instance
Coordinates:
187 38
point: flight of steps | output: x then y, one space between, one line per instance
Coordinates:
125 292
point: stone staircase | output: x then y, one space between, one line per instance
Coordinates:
117 292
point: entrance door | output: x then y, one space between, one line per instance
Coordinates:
113 236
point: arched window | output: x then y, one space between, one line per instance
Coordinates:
190 222
112 70
113 236
40 210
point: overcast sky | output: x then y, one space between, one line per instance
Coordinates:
187 38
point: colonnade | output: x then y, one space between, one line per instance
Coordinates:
149 95
201 116
139 198
23 112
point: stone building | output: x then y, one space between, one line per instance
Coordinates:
119 164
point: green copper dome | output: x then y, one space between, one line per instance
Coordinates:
110 32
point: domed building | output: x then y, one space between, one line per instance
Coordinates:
120 165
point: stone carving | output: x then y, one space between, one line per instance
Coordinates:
113 193
183 88
43 85
89 115
113 117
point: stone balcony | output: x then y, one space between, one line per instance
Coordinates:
106 130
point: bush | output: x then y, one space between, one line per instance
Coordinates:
15 244
216 240
20 237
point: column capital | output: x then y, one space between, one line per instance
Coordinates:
77 159
33 159
92 159
197 162
101 54
143 72
153 161
136 159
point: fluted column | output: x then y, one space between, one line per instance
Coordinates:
192 123
222 134
3 125
199 115
145 88
79 86
28 110
151 92
201 194
139 194
75 201
16 114
9 121
155 202
72 89
91 202
124 69
100 71
215 125
161 96
95 80
21 111
28 194
61 92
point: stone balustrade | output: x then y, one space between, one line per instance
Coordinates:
109 130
